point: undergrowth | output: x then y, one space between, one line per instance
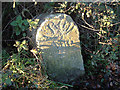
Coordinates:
99 29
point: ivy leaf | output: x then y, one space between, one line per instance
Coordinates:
14 23
25 47
17 43
19 49
24 34
17 32
26 22
24 42
18 18
23 28
20 25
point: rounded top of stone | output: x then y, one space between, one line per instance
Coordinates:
57 27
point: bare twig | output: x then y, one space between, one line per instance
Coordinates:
38 62
99 50
8 23
86 22
89 28
116 23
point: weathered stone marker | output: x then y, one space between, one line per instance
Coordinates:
58 38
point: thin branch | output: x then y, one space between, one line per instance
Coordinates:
8 23
89 28
86 22
116 23
38 62
9 62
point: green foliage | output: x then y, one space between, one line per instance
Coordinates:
6 55
22 70
21 46
33 23
99 33
19 26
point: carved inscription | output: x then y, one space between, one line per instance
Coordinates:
58 31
